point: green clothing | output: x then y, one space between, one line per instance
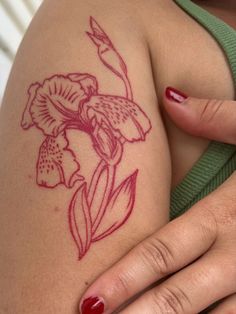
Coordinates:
219 160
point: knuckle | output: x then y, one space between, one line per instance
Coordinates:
207 223
218 211
210 109
123 283
157 256
170 300
227 219
223 206
204 275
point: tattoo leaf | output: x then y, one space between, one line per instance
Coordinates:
118 209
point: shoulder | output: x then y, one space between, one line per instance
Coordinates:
124 16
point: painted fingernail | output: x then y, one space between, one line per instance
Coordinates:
175 95
92 305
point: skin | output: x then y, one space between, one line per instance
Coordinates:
209 227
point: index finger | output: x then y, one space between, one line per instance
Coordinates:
210 118
165 252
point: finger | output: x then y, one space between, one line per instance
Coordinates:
190 290
165 252
227 306
210 118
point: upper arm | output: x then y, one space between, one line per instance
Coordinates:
84 168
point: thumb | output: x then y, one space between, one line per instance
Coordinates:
209 118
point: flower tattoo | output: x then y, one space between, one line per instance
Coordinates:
72 101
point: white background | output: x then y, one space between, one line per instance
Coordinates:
15 16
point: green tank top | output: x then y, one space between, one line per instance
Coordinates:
218 162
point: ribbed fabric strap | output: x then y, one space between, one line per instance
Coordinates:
219 160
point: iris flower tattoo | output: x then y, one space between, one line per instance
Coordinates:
73 101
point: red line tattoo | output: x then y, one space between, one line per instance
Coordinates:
72 101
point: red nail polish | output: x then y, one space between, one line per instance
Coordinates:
175 95
92 305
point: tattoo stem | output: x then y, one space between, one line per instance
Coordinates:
107 194
94 181
128 89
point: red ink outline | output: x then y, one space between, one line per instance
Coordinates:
117 224
72 101
104 45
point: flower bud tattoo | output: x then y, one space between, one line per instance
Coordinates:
73 101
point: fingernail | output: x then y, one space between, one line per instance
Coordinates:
92 305
175 95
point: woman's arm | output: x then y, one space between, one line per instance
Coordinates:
85 169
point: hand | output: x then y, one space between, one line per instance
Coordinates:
191 262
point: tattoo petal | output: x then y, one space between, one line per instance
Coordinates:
57 163
124 116
88 82
26 121
56 104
